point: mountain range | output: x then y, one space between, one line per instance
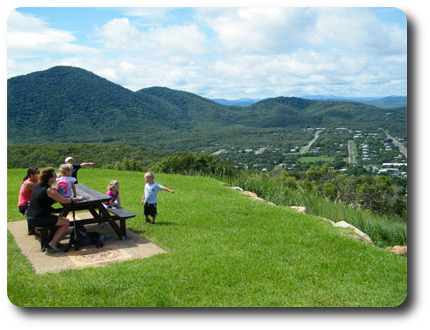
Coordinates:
69 104
242 102
385 102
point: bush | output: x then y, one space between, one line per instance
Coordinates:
189 164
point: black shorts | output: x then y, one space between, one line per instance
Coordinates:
46 221
150 209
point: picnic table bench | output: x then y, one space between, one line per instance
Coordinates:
93 202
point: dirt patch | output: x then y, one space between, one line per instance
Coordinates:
114 250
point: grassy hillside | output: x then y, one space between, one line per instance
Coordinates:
224 250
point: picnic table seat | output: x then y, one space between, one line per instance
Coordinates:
121 215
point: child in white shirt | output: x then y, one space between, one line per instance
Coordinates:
149 198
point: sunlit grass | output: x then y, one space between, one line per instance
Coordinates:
224 249
382 230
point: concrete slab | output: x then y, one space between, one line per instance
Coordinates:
114 250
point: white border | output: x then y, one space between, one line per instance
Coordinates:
413 315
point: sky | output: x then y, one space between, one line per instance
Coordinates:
230 53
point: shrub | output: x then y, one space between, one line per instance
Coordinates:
187 163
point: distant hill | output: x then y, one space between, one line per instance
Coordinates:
385 102
339 98
68 104
243 102
390 102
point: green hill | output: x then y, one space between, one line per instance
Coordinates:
224 249
390 102
67 104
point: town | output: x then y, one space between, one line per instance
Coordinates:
374 151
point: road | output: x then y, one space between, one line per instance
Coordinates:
351 152
401 147
310 143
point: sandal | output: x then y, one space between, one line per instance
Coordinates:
51 249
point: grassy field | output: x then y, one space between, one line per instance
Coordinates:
224 249
315 159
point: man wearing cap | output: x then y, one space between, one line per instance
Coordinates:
69 160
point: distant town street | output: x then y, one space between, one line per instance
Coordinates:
351 152
401 147
310 143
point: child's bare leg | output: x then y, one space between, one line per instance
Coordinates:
153 220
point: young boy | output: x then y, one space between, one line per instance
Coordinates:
149 198
75 168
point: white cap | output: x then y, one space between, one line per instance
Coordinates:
67 159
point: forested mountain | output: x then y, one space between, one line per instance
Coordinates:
71 104
68 104
191 108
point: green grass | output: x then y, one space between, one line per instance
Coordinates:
381 229
315 159
224 249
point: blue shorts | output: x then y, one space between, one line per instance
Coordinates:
45 221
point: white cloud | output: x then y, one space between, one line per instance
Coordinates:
108 73
127 67
30 35
27 33
174 40
358 30
28 40
262 29
121 34
153 13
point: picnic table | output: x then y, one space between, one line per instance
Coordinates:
93 202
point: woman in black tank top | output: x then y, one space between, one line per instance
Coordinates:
39 213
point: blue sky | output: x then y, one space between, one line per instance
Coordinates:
231 53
